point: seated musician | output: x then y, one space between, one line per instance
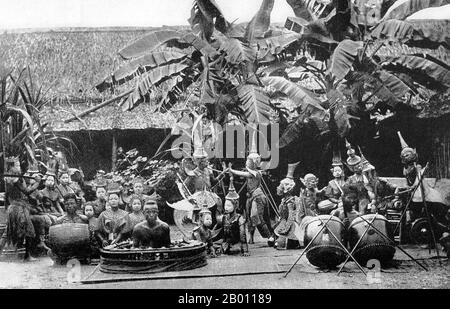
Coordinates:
347 212
40 219
125 228
71 216
202 233
110 218
152 232
359 180
334 189
377 188
233 224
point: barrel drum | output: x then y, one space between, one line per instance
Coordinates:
69 240
372 245
325 251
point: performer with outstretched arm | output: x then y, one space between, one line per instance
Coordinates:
257 206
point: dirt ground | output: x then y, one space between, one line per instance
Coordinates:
42 274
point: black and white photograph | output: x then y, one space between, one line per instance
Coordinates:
224 149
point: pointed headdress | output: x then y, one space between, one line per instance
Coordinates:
352 159
197 138
232 194
366 164
407 154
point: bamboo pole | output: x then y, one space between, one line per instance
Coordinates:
114 150
2 136
96 107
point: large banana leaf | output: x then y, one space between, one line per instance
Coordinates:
414 32
255 103
269 47
148 43
395 30
343 58
393 89
300 9
260 22
148 81
237 52
299 95
436 30
427 66
401 9
311 9
308 104
205 16
143 64
201 45
339 112
168 88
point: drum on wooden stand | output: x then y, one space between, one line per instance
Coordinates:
372 244
70 240
325 251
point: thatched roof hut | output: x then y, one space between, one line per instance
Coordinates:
69 63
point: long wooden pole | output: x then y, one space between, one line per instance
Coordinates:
96 107
2 136
114 150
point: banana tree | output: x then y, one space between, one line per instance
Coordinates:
371 75
217 61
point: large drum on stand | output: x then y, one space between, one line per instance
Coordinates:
325 251
70 240
372 244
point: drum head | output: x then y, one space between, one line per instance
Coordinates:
420 232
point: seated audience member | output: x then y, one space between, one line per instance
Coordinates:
125 228
95 241
51 198
100 202
110 218
152 232
66 187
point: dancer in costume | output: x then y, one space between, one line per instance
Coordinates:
257 205
285 229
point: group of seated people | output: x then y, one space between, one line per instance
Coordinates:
36 202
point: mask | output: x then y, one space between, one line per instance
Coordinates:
337 172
